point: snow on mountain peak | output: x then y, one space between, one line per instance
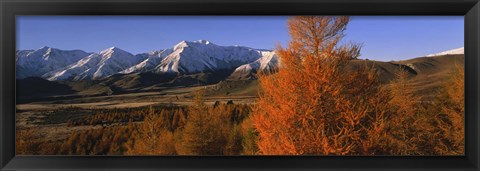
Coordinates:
202 55
268 62
115 52
44 48
44 51
95 66
152 59
202 42
112 50
185 57
450 52
38 62
185 44
180 45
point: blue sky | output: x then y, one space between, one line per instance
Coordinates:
383 37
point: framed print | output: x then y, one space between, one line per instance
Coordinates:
319 85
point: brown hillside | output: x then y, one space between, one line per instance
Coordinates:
432 72
426 73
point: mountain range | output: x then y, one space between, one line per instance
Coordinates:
184 58
50 72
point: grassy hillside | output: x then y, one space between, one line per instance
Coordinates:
425 73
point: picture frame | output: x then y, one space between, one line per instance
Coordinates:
11 8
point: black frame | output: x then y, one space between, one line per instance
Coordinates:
469 8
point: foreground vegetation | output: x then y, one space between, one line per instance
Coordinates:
403 126
198 129
314 104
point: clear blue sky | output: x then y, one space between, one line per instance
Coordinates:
384 38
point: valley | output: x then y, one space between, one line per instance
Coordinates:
166 96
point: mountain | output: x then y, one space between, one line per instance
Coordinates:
95 66
152 59
204 56
35 88
197 63
136 80
268 62
35 63
427 74
114 71
185 58
450 52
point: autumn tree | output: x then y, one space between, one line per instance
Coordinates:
314 103
419 127
179 118
249 138
153 137
203 133
407 126
450 119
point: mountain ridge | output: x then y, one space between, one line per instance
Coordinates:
426 73
186 57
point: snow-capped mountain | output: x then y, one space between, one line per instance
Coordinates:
184 58
34 63
199 56
450 52
95 66
152 59
268 62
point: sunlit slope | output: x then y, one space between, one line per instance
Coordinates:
432 72
426 73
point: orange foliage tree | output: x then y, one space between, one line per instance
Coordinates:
408 127
314 104
202 134
153 137
451 118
